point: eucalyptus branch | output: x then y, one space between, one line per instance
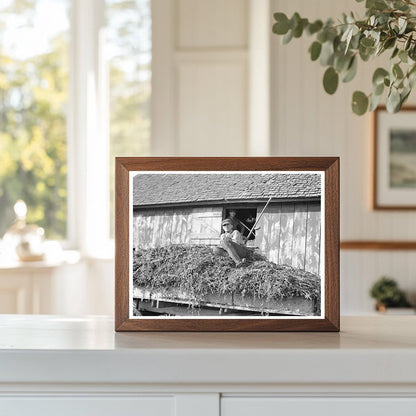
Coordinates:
389 25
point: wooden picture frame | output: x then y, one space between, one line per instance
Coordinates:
394 158
150 202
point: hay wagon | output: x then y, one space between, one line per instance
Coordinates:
192 280
179 303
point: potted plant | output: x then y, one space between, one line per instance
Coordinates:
389 27
387 294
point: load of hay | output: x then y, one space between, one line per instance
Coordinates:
196 271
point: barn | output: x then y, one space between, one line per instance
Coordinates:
283 210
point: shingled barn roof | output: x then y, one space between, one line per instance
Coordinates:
171 189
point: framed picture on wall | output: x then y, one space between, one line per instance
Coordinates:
227 244
394 183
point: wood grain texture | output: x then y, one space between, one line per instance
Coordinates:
184 226
286 233
299 236
290 234
176 227
378 245
274 230
122 250
328 164
313 238
154 232
332 286
263 236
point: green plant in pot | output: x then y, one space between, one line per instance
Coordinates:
389 27
387 294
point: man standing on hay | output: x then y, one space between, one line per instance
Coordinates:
232 244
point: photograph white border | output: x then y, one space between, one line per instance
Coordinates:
132 174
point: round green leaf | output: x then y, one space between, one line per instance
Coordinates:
403 55
400 5
327 53
322 36
389 43
367 42
403 96
374 102
378 90
411 71
412 52
294 20
314 27
330 80
351 71
281 26
393 101
379 75
366 53
397 71
288 37
298 30
342 61
315 50
395 52
332 33
408 42
359 103
376 4
411 76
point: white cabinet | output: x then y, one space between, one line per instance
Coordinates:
80 366
271 406
26 290
88 406
66 286
38 287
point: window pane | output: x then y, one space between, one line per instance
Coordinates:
129 45
33 99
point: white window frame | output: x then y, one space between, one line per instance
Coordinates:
88 138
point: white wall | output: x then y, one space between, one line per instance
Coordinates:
200 77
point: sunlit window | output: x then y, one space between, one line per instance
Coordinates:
129 57
33 102
48 140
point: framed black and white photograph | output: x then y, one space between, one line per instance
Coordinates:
394 159
217 248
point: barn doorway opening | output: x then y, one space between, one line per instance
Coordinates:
246 219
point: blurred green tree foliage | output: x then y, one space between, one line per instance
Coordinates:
34 102
33 99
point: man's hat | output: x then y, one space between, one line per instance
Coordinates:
227 221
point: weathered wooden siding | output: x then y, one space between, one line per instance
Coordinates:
313 238
206 225
299 235
156 228
290 233
286 233
268 236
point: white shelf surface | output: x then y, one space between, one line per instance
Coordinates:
52 349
